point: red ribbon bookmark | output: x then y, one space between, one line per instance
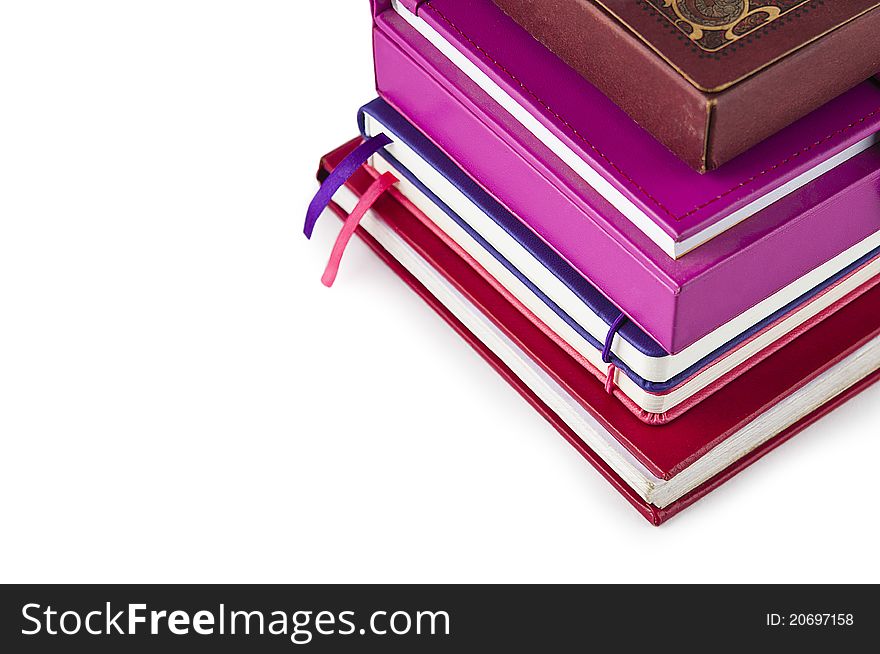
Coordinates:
351 223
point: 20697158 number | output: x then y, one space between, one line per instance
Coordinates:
820 619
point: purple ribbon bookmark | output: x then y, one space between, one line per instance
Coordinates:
340 176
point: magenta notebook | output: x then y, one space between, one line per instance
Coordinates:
676 301
676 207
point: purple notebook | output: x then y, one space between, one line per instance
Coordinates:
400 132
675 301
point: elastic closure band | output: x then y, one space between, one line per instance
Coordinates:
351 223
611 379
611 374
609 339
340 175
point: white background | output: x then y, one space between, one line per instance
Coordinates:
182 400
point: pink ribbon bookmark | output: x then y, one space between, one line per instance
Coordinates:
351 223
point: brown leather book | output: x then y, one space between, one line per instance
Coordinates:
711 78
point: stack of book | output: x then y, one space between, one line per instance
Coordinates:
658 220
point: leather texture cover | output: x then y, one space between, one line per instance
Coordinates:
710 79
664 450
677 302
588 294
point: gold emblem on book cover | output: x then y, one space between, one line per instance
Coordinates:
713 25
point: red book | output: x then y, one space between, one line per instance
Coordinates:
659 469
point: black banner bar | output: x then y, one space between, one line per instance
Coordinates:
430 618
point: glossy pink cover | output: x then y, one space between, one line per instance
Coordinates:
659 448
677 302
